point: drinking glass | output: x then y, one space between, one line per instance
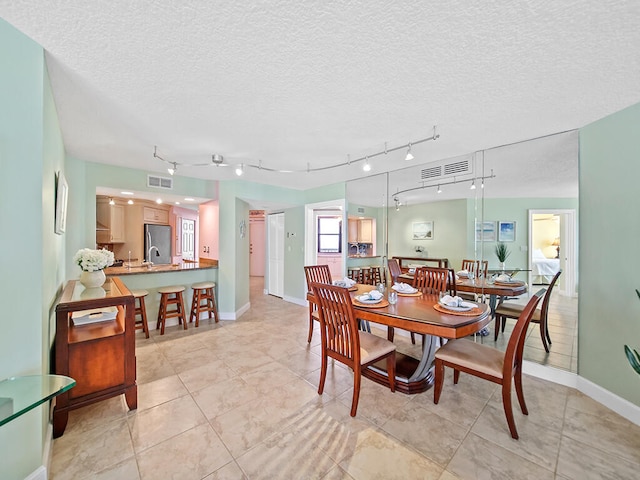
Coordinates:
393 297
381 287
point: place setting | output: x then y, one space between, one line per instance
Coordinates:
347 283
406 290
456 306
506 280
372 299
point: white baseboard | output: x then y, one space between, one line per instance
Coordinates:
610 400
297 301
555 375
39 473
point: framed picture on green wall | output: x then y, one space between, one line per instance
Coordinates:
506 231
422 231
486 231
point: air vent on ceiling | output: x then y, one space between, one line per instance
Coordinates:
160 182
447 169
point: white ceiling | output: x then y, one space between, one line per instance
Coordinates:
297 85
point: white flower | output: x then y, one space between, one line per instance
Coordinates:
93 260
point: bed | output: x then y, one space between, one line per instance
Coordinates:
542 268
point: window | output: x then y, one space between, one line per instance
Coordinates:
329 234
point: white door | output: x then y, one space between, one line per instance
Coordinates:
256 247
188 239
276 254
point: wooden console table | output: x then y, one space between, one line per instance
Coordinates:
100 356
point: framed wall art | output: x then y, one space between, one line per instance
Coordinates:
486 231
62 195
506 231
422 231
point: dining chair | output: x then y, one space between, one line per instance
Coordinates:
317 274
394 270
432 280
342 341
483 361
476 267
512 310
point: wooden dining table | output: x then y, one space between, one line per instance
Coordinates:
482 286
417 314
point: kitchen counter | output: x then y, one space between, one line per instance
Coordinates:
138 269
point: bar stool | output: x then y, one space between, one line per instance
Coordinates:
365 275
140 309
203 291
376 277
354 273
171 296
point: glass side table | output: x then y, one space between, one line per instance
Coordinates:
18 395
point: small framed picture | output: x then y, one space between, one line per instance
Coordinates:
62 194
422 231
486 231
506 231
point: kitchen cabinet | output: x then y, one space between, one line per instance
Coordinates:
110 222
365 230
99 356
155 215
334 262
353 231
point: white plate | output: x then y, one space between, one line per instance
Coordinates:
463 308
405 290
366 299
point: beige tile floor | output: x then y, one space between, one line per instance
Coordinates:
238 400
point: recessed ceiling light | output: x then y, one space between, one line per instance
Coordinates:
188 199
177 203
126 193
130 202
159 201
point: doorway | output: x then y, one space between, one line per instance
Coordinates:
256 245
188 228
334 209
552 246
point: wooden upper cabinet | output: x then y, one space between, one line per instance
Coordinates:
110 222
353 231
155 215
365 230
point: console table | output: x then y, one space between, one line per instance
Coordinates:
99 355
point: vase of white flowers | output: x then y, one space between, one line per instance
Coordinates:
93 263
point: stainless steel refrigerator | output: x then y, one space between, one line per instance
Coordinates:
158 236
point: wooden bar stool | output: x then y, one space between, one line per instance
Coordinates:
376 277
354 273
203 291
141 310
365 275
171 296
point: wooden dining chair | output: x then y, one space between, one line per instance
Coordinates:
483 361
317 274
512 310
476 267
342 341
394 270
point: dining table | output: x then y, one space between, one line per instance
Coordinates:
495 289
420 313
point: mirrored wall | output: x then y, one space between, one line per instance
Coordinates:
523 195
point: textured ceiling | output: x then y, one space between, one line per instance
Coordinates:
304 84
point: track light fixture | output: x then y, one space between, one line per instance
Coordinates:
173 169
409 154
473 184
482 184
111 202
396 200
240 170
439 189
218 160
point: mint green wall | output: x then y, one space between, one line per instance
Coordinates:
30 152
609 253
294 282
449 231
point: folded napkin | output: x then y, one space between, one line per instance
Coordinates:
372 295
403 288
346 282
456 301
503 278
463 273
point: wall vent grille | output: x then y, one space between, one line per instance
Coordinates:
360 210
160 182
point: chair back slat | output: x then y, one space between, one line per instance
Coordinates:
338 324
515 347
431 280
474 266
317 274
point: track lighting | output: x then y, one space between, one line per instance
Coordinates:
111 202
173 169
482 184
240 170
439 189
409 154
473 184
397 202
130 202
367 166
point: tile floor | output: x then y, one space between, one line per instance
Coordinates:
238 400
